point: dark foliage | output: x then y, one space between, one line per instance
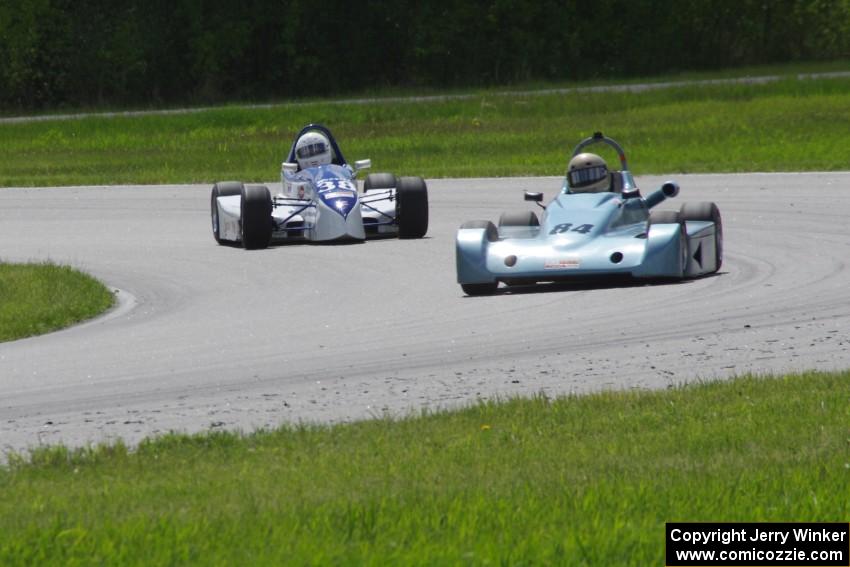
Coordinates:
56 53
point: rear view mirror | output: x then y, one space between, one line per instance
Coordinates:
536 197
362 164
289 167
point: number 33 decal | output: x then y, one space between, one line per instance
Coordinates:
568 227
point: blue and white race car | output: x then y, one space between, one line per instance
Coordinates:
599 226
318 200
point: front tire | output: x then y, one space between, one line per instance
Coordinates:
519 218
256 217
379 181
479 288
221 189
490 229
412 207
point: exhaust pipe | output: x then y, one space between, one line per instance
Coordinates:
667 191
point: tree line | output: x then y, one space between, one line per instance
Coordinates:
75 53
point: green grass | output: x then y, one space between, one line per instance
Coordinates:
789 125
788 70
38 298
579 480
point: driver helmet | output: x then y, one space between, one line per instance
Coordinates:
313 149
588 173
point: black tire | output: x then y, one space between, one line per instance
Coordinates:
221 189
663 217
492 231
479 288
256 216
411 207
706 211
379 181
519 218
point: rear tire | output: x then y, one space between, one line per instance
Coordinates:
519 218
706 211
256 217
412 207
221 189
379 181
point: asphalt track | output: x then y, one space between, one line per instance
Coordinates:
213 337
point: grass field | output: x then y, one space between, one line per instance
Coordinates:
790 125
585 480
38 298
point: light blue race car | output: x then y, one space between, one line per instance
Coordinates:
598 227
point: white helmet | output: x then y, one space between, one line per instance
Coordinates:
588 173
312 149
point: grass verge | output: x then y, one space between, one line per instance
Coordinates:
577 480
789 125
39 298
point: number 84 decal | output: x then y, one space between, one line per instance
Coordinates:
568 227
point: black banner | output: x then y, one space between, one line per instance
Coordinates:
758 544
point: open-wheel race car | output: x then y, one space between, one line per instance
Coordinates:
318 200
598 227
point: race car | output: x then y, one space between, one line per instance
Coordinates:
598 227
318 200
